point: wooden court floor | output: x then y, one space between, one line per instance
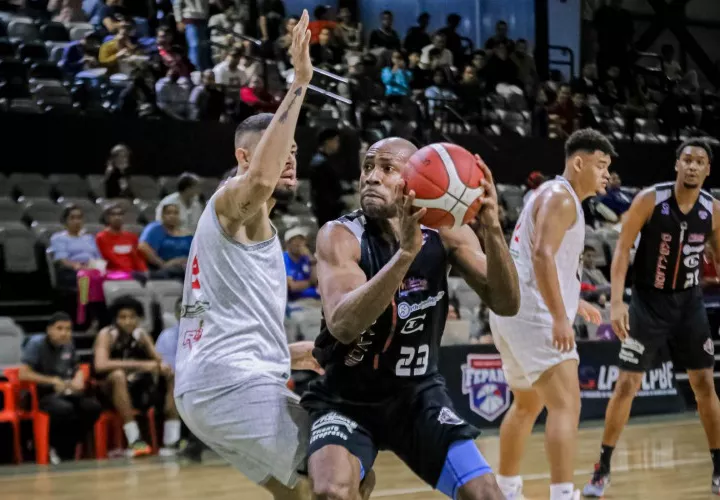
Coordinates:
665 459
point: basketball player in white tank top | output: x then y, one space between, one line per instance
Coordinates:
537 345
233 359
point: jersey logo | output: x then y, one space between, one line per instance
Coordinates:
703 214
414 324
484 383
413 285
404 310
191 337
195 280
448 417
665 210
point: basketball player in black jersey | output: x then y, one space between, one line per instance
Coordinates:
674 220
383 282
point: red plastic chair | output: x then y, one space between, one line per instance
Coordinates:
9 414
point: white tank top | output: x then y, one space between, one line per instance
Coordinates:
567 259
233 306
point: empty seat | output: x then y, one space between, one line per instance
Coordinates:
45 70
79 30
33 51
168 184
69 185
25 106
7 49
42 210
144 187
165 293
57 49
147 211
52 95
31 185
92 213
11 339
97 184
23 29
5 189
44 230
10 210
208 186
55 32
115 289
93 227
18 248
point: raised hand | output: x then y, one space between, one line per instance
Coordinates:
488 214
410 231
300 50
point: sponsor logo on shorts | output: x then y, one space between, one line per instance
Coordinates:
404 310
332 424
414 324
696 238
630 351
599 383
448 417
709 347
413 285
484 383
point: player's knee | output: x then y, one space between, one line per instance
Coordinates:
332 489
627 385
703 385
529 409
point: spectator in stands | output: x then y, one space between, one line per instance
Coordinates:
613 90
255 95
322 20
81 54
396 78
540 115
439 93
229 20
527 72
417 37
670 66
596 287
584 116
192 18
118 247
534 181
282 45
72 249
207 102
93 10
112 16
69 11
116 173
588 83
299 266
615 199
272 15
500 36
187 200
470 91
166 347
483 335
384 37
445 57
324 54
138 99
562 112
125 360
165 245
168 55
118 49
173 95
348 33
325 188
479 61
453 40
51 362
229 73
500 69
420 77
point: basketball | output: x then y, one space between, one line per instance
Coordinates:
447 181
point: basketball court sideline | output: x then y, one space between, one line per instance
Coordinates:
656 458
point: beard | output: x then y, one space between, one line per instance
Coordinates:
283 195
378 211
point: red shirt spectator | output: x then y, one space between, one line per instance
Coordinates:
119 248
257 97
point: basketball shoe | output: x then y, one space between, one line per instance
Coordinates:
716 485
598 483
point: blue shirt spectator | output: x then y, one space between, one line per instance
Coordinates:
396 80
439 93
166 345
615 198
167 246
73 58
94 11
79 248
299 266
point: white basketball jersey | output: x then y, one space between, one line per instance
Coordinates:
567 259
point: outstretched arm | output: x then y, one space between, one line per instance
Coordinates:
244 195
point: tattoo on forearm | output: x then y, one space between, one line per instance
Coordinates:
244 208
285 114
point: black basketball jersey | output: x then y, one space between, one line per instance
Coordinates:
670 253
403 343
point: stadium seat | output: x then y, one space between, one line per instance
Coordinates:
79 30
30 185
7 49
168 184
467 297
54 32
91 211
45 70
42 210
11 339
165 294
110 426
10 211
5 190
3 28
44 230
147 211
57 49
25 106
55 96
69 185
18 248
10 412
97 185
93 228
115 289
13 79
208 186
32 51
144 187
22 29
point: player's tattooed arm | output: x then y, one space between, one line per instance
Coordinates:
351 302
245 195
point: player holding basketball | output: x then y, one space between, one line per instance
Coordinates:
233 359
537 345
674 221
383 283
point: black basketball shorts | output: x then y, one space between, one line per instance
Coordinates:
418 426
677 320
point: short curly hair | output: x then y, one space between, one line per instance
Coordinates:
126 302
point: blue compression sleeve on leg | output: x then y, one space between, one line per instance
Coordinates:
463 463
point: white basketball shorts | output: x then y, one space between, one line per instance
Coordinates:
257 425
526 349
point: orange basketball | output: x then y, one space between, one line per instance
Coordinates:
446 180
